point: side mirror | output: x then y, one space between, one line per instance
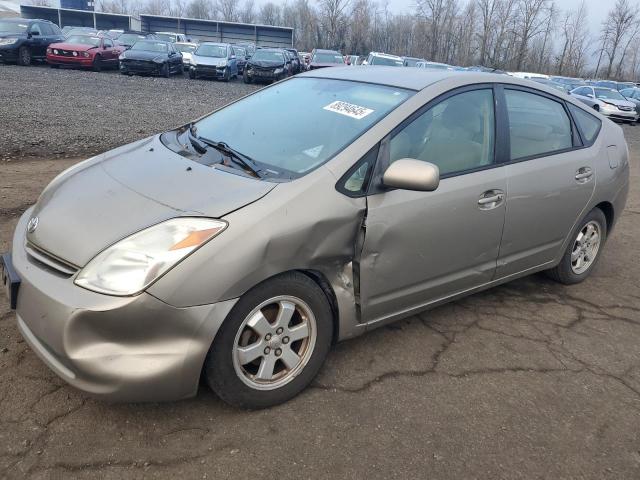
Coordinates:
34 34
232 57
589 95
410 174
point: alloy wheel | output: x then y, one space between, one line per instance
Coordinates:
585 247
274 343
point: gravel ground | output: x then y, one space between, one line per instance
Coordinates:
49 113
528 380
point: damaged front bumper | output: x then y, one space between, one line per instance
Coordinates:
119 348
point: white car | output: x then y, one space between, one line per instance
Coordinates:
608 102
186 49
172 37
377 58
434 65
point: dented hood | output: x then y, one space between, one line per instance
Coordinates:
105 199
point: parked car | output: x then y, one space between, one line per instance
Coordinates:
550 84
236 263
80 31
89 51
23 40
411 61
266 65
171 37
351 60
607 101
153 57
624 85
377 58
325 58
295 61
186 49
633 95
606 84
129 38
305 58
433 65
214 60
241 57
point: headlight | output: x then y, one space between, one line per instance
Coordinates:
8 41
75 54
132 264
278 70
121 57
159 59
86 54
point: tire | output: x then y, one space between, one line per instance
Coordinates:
569 271
96 66
165 71
192 74
246 78
227 76
24 56
238 383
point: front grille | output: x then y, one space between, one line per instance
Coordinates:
209 69
67 53
49 261
140 65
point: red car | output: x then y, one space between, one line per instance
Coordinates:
90 51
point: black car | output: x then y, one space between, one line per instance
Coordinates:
23 40
266 65
130 37
151 57
295 60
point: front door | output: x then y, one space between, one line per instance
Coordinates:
420 247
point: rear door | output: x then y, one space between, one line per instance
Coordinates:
420 247
550 179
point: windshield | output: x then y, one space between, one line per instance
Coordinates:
185 48
272 125
130 38
83 40
215 51
12 27
150 46
268 56
390 62
321 57
240 51
167 37
607 94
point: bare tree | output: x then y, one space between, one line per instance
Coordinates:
228 10
270 14
200 9
248 12
620 24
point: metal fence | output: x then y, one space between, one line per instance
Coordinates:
195 29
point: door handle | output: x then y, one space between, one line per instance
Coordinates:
490 199
583 174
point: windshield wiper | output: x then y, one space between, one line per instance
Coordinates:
193 138
240 158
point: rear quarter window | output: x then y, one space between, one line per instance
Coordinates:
588 125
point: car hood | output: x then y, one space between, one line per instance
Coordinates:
142 55
322 64
618 103
265 63
211 61
102 200
78 47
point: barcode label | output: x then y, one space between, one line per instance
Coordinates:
348 109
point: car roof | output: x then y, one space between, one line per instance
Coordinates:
409 78
385 55
221 44
22 20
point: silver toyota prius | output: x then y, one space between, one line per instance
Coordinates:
240 247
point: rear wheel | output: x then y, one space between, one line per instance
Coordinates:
272 343
583 250
24 56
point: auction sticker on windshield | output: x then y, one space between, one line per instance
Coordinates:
348 109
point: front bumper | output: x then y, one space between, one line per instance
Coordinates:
209 71
616 114
263 75
140 66
65 60
9 53
118 348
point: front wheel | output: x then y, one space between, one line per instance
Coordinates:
246 77
272 343
192 74
24 56
96 65
583 250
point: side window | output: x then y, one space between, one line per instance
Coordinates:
356 181
537 125
457 134
46 29
588 124
35 28
108 42
56 29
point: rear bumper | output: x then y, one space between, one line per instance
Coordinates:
117 348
